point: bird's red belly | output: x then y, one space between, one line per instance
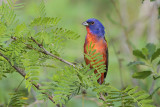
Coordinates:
101 47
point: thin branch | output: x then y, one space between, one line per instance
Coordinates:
44 51
50 54
22 73
19 85
153 82
119 15
156 90
102 97
152 87
119 63
36 102
123 26
35 99
125 30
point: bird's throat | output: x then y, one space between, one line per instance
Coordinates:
88 30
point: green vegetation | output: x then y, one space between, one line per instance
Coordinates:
41 54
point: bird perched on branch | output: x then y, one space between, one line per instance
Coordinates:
95 36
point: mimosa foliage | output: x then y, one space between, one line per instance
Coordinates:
17 99
30 45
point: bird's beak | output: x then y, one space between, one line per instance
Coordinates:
85 24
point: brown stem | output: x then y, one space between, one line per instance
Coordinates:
22 73
102 97
50 54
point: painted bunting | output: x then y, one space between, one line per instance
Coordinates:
95 35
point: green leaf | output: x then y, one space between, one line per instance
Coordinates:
17 99
45 21
4 76
148 105
138 53
42 9
158 63
138 93
132 90
20 28
145 51
141 75
127 89
142 1
151 49
136 63
143 96
155 77
147 101
155 54
155 90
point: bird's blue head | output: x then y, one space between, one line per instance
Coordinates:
95 27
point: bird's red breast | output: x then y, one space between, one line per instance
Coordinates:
100 45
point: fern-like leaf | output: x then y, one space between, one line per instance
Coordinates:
49 21
17 99
42 9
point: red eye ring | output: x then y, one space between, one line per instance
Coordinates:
92 23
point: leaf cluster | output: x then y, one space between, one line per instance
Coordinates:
24 43
147 56
17 45
17 99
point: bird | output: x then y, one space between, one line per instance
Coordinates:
96 37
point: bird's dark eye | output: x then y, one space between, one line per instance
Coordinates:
92 23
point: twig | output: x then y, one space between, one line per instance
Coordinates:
152 87
19 85
154 91
119 63
102 97
36 102
35 99
50 54
153 82
124 30
123 26
22 73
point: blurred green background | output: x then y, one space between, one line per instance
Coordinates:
129 24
